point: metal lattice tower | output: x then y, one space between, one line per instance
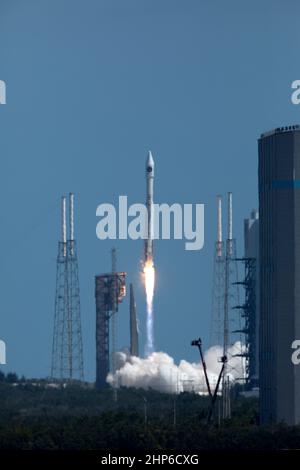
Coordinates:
248 309
67 350
216 329
232 329
114 319
226 321
109 292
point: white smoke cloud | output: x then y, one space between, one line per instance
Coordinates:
159 372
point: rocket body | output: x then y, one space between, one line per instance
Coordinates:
150 208
149 270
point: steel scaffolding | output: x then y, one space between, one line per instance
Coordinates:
109 292
67 350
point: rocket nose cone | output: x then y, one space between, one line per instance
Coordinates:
150 160
149 163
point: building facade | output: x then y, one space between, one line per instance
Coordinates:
279 248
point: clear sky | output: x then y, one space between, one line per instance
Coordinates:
92 85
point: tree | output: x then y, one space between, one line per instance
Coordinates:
11 377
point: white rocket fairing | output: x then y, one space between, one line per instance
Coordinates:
149 205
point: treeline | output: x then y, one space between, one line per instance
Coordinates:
127 431
10 377
33 415
32 399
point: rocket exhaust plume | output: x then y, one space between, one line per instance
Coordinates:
160 372
149 279
149 270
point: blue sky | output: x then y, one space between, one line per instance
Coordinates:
91 87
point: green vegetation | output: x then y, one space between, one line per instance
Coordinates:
34 415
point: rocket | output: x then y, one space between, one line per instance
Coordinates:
150 208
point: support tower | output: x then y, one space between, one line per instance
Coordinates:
67 350
109 292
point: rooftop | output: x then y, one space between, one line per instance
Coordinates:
280 130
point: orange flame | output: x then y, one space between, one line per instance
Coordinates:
149 276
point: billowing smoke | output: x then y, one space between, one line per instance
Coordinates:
159 372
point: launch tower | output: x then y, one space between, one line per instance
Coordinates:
67 351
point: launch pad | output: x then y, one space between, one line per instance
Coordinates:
109 292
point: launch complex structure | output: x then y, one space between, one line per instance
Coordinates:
110 289
67 351
109 292
227 327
